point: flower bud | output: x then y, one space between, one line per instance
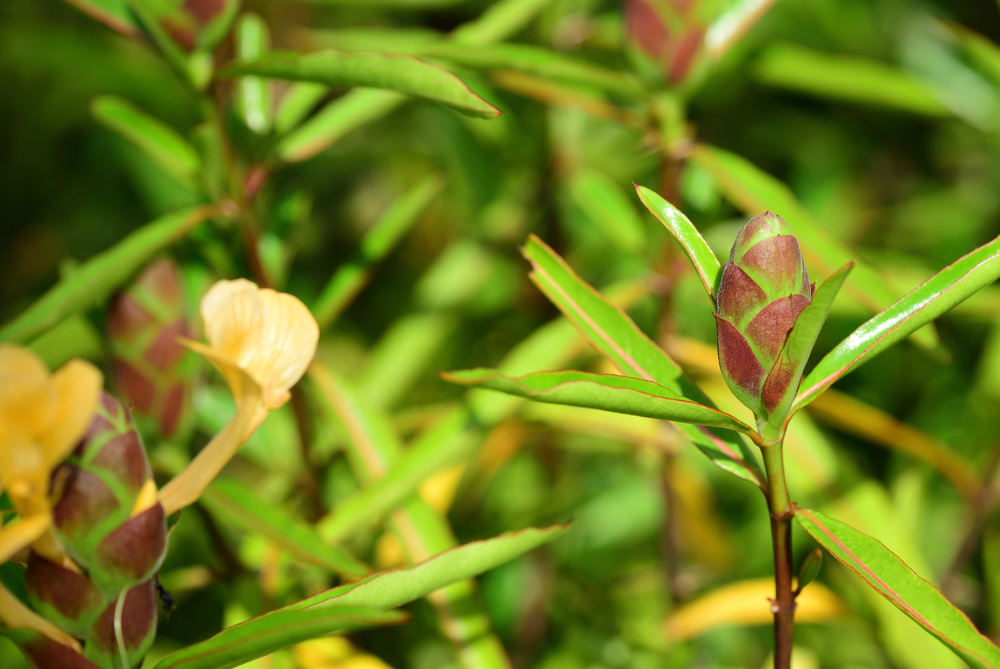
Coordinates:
764 288
138 628
65 598
98 489
143 326
44 653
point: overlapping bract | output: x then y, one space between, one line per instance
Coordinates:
763 290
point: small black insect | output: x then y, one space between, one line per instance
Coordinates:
166 599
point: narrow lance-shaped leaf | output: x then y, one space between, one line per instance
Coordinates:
253 94
112 13
271 632
445 444
403 74
296 103
848 78
377 242
755 191
890 577
607 392
787 372
394 588
92 281
160 142
697 249
501 20
614 334
934 297
604 203
241 505
336 120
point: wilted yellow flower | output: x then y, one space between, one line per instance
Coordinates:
262 341
42 417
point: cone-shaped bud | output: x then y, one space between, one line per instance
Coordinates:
44 653
764 288
98 489
144 324
64 597
138 628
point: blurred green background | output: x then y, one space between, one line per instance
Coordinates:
881 116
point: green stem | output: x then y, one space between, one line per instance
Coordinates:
779 505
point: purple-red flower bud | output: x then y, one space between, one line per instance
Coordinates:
764 288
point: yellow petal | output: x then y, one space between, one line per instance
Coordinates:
145 499
16 615
21 534
78 390
231 313
286 347
185 488
27 398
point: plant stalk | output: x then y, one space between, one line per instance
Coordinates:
779 506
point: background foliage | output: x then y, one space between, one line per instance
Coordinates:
880 117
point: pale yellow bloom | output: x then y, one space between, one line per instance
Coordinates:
42 418
262 341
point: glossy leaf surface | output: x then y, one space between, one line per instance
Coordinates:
96 278
402 74
705 263
243 506
883 571
607 392
614 334
273 631
934 297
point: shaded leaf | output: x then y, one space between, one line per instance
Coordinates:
243 506
160 142
271 632
620 394
891 578
934 297
614 334
605 204
809 569
95 279
705 263
112 13
403 74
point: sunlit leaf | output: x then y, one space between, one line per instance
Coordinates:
500 20
895 581
934 297
614 334
620 394
399 73
699 253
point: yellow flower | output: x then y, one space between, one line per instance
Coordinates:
262 341
42 417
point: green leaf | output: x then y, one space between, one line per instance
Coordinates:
390 589
377 242
273 631
846 78
296 103
501 20
408 4
160 142
253 94
605 204
934 297
799 344
754 191
893 579
95 279
698 251
403 74
112 13
447 443
809 569
243 506
614 334
544 63
607 392
982 51
337 119
403 40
